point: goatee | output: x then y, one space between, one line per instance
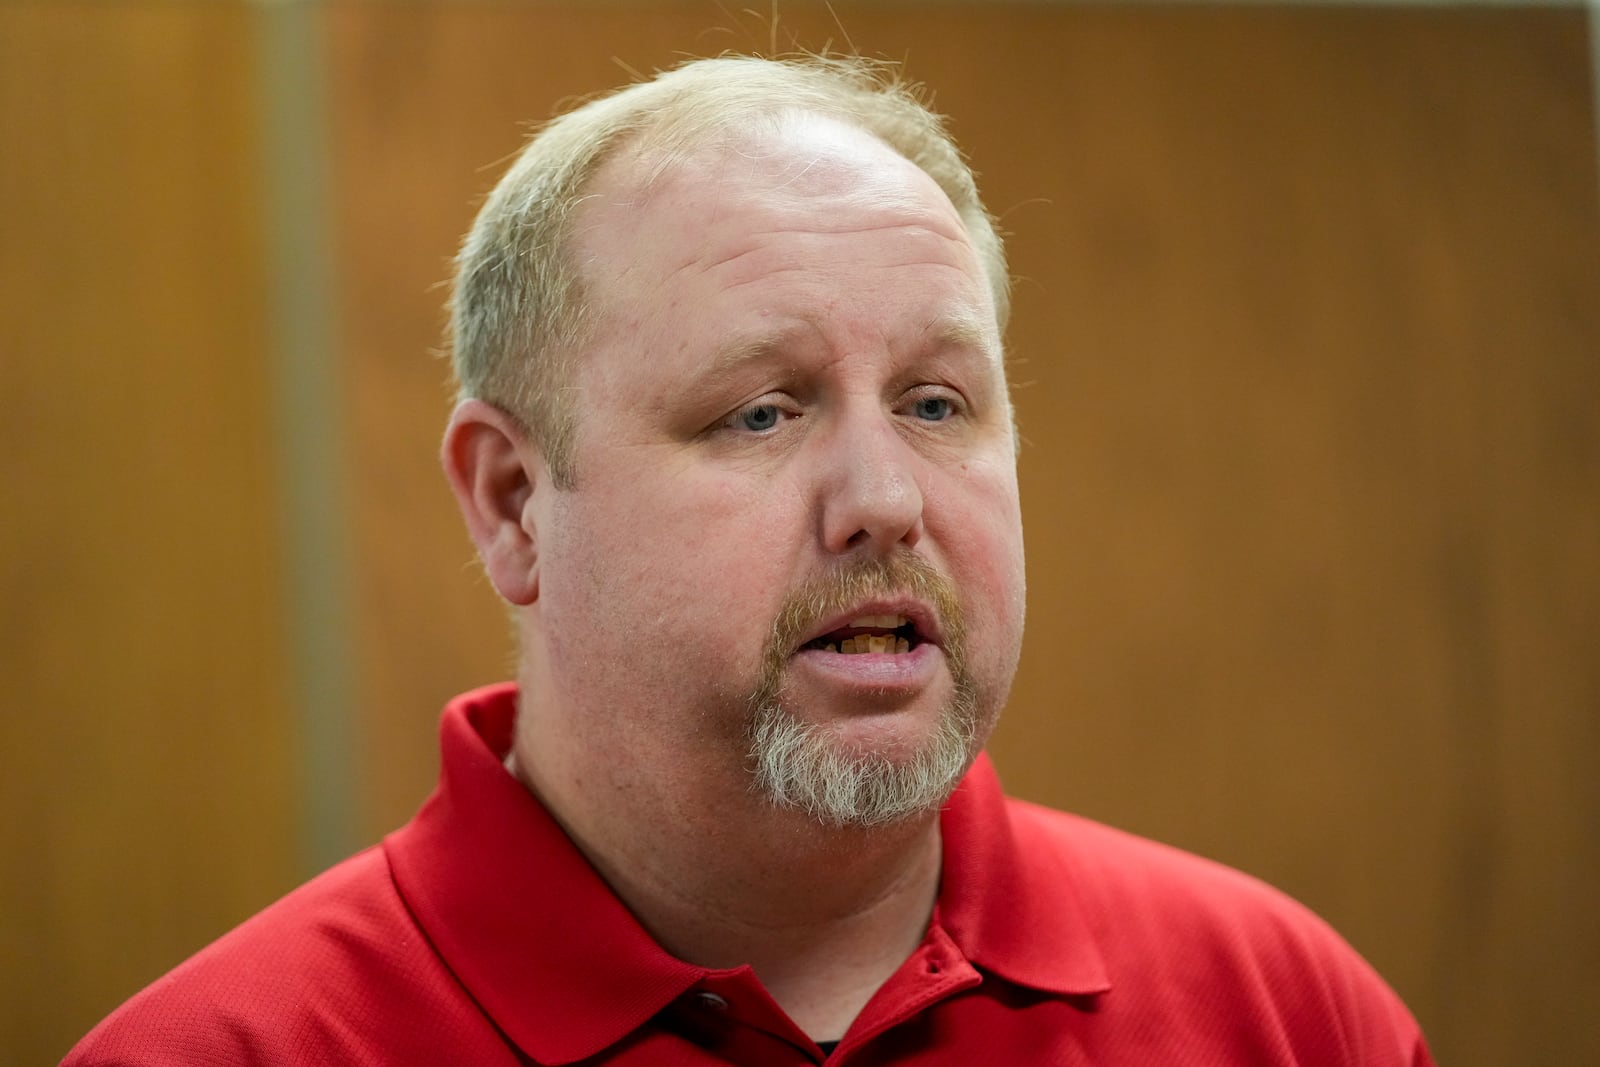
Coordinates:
804 766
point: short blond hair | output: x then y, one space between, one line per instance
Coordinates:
518 318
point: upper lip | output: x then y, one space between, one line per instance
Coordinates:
919 614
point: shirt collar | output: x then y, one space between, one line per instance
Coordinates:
515 910
556 960
1008 901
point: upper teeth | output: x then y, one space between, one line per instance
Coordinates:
879 622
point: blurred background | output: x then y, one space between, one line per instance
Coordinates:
1307 358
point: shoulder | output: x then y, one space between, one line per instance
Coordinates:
1113 871
301 982
1173 926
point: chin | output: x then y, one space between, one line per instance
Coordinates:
877 778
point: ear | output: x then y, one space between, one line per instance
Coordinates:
492 469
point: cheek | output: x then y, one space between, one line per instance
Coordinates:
983 539
719 540
674 575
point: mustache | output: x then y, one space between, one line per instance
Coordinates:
852 582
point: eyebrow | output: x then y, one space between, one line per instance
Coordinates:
963 331
741 350
945 331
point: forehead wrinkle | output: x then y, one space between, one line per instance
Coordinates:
752 241
723 263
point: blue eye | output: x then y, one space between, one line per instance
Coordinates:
758 418
932 408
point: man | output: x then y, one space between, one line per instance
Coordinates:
735 442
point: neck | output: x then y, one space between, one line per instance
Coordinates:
822 915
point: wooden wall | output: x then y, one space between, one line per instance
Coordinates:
1307 346
148 786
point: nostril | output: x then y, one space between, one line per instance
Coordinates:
873 507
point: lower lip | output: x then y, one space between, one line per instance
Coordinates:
877 670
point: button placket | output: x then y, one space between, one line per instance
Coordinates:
936 971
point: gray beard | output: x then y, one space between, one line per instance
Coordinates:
802 767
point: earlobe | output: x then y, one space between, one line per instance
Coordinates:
493 470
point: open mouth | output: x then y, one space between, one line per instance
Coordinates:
891 634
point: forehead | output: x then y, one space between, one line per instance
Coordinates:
651 216
796 159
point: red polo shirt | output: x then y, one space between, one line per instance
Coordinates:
478 934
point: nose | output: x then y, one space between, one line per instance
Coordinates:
870 497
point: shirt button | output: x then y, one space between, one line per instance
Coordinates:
712 1001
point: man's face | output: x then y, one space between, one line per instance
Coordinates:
795 515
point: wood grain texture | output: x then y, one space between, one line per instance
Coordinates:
1321 520
1305 340
147 783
